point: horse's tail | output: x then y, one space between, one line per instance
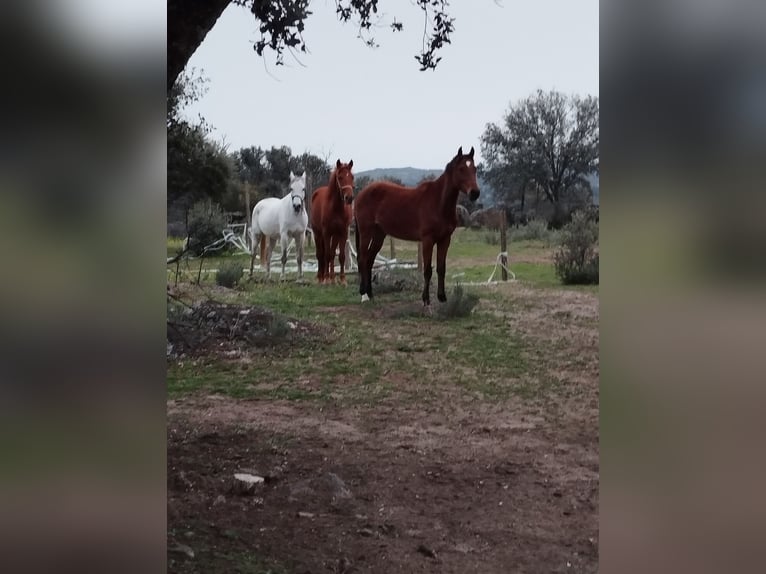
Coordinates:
263 248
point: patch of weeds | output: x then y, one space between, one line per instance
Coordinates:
492 237
229 274
535 229
278 327
396 280
576 260
460 303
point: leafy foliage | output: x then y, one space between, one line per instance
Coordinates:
267 172
206 223
576 260
460 303
196 167
281 24
229 274
548 142
535 229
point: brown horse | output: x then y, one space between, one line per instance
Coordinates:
425 213
330 220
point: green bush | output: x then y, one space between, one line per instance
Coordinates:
460 303
205 226
576 259
535 229
229 274
491 237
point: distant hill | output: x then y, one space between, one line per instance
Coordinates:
411 176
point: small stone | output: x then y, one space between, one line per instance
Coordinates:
426 551
184 549
365 532
302 514
246 483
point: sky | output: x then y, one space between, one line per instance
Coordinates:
346 101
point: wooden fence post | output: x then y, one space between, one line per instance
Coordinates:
503 245
393 249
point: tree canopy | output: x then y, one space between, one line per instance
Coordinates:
281 24
549 143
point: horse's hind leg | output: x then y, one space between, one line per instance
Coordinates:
254 237
269 253
441 268
362 242
342 259
428 249
378 237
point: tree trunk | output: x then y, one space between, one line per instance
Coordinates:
189 21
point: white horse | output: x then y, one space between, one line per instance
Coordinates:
281 218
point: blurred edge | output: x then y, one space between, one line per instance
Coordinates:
683 250
82 211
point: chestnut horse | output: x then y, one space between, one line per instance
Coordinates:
330 220
425 213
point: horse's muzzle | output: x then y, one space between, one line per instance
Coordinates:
473 195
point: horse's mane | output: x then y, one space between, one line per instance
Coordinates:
332 182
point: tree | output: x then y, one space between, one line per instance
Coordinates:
548 143
281 24
196 167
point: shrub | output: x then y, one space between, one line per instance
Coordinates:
229 274
396 280
205 226
534 229
491 237
460 303
576 259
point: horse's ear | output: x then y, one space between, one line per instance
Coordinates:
337 164
292 175
470 153
460 151
351 164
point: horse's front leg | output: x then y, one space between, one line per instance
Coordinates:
342 259
300 238
328 259
284 241
428 249
319 248
333 248
441 267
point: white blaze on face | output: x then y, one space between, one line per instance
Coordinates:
468 163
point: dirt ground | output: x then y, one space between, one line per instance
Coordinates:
452 486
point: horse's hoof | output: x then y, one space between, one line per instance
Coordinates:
365 298
442 297
427 309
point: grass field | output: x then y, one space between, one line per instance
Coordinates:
437 426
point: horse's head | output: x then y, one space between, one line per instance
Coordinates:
297 191
345 180
462 171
